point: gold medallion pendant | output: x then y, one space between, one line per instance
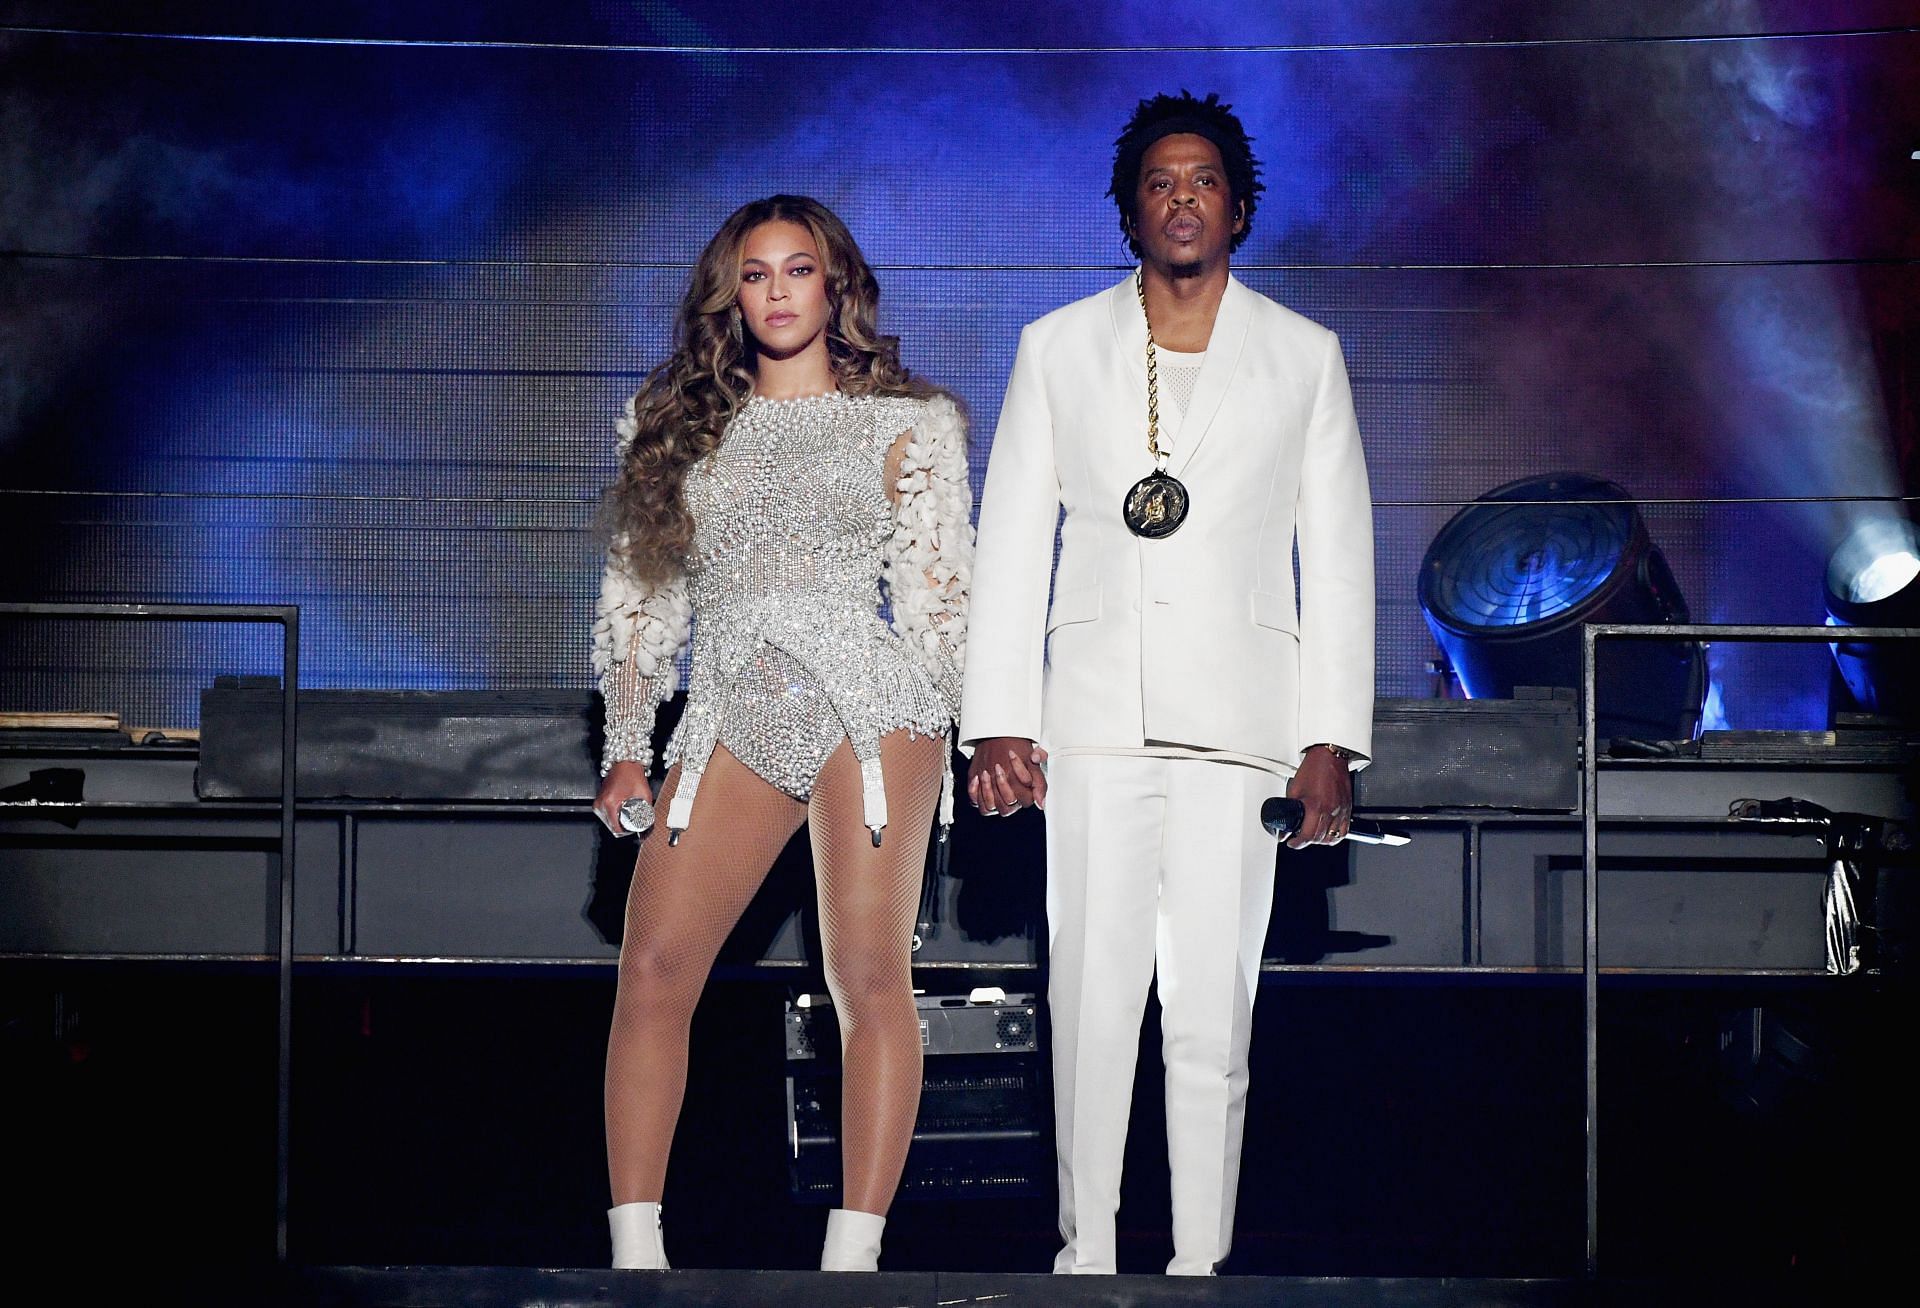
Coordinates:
1156 506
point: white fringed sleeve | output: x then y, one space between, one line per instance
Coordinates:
638 633
929 568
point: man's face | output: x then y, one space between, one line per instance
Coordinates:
1185 217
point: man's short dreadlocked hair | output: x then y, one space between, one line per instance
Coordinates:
1170 115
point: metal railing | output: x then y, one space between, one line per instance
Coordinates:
287 617
1592 634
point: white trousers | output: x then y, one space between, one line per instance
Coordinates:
1153 865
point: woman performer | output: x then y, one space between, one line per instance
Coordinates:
777 468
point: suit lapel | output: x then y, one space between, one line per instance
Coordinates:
1130 339
1216 373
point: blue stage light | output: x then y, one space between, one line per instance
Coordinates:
1873 580
1510 579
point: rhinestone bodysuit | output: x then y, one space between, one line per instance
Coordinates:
794 533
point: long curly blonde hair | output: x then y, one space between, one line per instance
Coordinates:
682 409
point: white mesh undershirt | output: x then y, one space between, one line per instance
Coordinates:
1178 372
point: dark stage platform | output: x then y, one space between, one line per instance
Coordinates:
1417 1080
522 1287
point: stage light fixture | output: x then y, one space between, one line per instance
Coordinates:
1510 579
1873 580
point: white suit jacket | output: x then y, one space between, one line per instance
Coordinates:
1194 639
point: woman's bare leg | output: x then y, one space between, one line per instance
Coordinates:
684 900
868 902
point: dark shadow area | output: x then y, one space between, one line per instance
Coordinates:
1301 928
1766 1130
1405 1129
1000 866
160 1088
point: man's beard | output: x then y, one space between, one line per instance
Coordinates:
1192 268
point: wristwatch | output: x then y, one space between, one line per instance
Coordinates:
1340 752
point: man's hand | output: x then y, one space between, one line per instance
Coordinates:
1006 776
1325 786
622 782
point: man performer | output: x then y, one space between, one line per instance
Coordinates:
1193 431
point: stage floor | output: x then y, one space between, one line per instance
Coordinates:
525 1287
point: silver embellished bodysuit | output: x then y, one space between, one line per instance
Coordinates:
794 533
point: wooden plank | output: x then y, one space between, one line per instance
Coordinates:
59 722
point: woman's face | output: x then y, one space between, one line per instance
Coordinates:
783 288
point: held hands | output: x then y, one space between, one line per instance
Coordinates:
1006 776
623 782
1325 786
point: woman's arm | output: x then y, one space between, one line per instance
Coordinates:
930 555
638 633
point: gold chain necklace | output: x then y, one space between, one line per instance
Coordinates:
1153 379
1157 503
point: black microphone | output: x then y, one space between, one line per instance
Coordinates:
1282 818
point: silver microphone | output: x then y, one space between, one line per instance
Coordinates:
1282 818
636 815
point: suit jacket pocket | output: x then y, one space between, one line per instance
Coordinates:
1276 611
1082 605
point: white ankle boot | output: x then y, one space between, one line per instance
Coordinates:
853 1241
636 1237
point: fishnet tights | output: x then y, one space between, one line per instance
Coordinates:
686 898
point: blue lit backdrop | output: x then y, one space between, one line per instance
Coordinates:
352 306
